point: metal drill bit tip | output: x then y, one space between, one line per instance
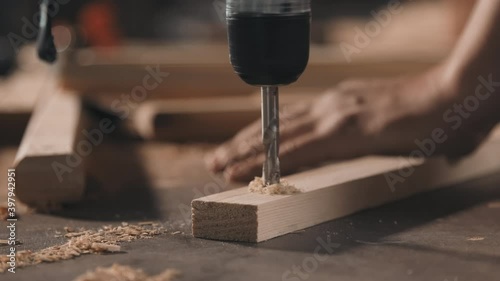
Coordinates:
270 135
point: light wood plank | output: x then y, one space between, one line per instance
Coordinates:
19 93
330 192
205 119
205 70
44 177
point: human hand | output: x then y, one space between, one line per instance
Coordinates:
377 116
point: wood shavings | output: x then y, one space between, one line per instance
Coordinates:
68 229
126 273
103 247
75 234
6 242
475 238
82 242
282 188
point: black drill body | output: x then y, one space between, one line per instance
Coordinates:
269 49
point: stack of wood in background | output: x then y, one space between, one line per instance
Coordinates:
201 88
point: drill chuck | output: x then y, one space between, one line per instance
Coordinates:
276 7
268 39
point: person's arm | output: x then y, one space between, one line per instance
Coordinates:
448 109
477 50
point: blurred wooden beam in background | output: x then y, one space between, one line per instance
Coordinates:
50 160
204 70
19 93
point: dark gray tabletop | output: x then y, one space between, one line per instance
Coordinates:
450 234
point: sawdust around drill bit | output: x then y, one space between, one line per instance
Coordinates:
126 273
83 242
282 188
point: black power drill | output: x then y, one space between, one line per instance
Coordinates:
269 47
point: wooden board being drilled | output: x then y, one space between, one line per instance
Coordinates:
331 192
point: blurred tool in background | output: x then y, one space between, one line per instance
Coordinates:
100 24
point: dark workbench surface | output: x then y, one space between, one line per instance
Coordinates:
451 234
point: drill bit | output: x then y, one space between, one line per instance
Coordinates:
270 135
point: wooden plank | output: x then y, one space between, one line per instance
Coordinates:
19 93
204 70
404 35
44 177
331 192
7 156
205 119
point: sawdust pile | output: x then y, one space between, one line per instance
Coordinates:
475 238
119 272
83 242
282 188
